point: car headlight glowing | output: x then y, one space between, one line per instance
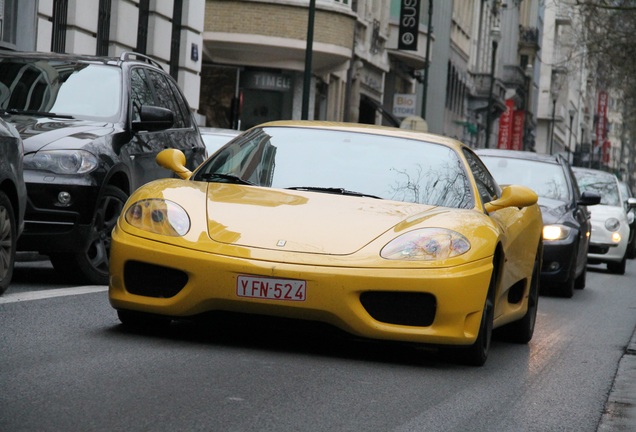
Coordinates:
556 232
426 244
158 216
616 237
612 224
62 161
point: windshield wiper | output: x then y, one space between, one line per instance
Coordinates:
230 178
38 113
331 190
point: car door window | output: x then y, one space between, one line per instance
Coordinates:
486 184
185 111
165 97
141 93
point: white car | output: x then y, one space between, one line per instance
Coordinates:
610 227
215 138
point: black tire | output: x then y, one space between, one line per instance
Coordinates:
631 247
91 264
580 281
617 267
8 239
566 290
477 353
521 331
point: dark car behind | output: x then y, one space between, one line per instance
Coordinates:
91 128
566 220
12 199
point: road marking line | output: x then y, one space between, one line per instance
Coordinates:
58 292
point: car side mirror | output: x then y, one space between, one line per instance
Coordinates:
153 118
589 198
631 203
174 160
513 196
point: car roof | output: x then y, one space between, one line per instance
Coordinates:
594 171
219 131
369 129
126 56
519 154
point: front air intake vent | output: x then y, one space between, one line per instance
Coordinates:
151 280
403 308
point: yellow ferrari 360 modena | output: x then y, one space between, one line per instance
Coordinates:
385 233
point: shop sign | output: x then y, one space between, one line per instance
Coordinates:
409 25
404 105
266 81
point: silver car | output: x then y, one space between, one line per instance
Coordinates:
610 227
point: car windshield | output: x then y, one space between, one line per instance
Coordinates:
63 88
605 184
343 162
546 179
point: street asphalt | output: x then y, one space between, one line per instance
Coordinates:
620 409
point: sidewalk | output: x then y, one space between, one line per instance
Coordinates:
620 409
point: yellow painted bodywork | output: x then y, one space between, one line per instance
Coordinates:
333 243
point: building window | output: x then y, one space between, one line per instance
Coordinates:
58 36
8 14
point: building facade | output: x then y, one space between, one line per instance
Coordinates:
492 73
169 31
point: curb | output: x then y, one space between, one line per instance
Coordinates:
620 409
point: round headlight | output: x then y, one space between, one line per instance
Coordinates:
158 216
612 224
426 244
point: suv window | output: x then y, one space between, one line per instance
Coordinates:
141 92
166 98
61 87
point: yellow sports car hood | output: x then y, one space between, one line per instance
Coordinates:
300 221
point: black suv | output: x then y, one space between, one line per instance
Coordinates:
91 128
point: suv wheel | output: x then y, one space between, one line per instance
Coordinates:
8 237
91 264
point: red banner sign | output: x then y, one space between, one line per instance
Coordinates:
601 122
505 126
518 119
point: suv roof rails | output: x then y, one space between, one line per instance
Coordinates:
128 55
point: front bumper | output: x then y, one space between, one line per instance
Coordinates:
602 249
559 258
51 227
186 283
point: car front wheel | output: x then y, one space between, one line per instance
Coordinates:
91 264
521 331
8 237
617 267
